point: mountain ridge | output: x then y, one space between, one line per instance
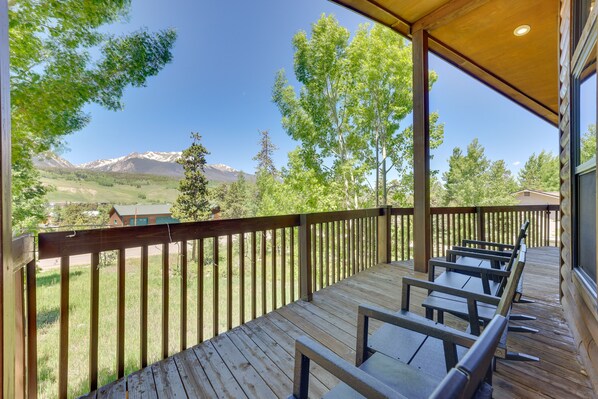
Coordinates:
150 162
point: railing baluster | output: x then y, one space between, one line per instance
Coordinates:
229 282
253 275
321 256
403 237
327 254
263 249
184 264
31 331
241 278
143 311
165 298
215 286
94 320
314 249
273 276
63 351
120 320
344 247
200 290
333 251
408 236
283 266
292 263
20 362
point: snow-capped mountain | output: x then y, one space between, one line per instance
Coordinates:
51 160
153 163
108 164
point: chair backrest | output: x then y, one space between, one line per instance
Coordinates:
520 240
476 362
508 293
466 377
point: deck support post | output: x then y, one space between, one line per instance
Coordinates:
383 235
7 281
305 277
421 152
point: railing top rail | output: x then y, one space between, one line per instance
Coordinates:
401 211
323 217
453 210
23 251
520 208
68 243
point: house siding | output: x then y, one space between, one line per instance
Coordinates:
580 307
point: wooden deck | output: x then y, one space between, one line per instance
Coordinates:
255 360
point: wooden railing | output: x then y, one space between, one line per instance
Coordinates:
236 271
490 223
23 261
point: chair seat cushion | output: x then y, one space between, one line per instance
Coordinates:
401 377
452 279
456 305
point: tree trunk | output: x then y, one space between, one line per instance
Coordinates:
377 170
384 173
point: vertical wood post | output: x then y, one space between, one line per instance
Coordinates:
7 282
305 282
421 152
481 223
383 236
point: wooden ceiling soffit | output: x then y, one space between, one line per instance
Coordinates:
446 14
377 12
488 78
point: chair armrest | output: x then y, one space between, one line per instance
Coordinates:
487 244
482 271
477 255
428 285
507 253
416 323
307 350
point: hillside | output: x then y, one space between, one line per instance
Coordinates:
124 188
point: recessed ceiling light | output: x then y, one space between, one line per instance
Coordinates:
522 30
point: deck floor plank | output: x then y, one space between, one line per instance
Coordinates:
248 378
167 379
193 376
141 385
224 383
256 359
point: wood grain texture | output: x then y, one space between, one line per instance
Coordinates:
7 282
257 359
421 151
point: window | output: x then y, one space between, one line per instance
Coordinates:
526 193
583 141
138 221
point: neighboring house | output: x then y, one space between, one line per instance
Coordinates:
140 215
533 197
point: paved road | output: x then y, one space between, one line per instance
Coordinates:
80 260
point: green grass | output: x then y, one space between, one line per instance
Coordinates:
48 290
109 187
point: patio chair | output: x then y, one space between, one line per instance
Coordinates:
489 281
481 259
381 376
486 253
402 344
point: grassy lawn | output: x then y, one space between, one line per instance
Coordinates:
91 186
48 289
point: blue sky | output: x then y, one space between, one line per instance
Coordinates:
220 80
